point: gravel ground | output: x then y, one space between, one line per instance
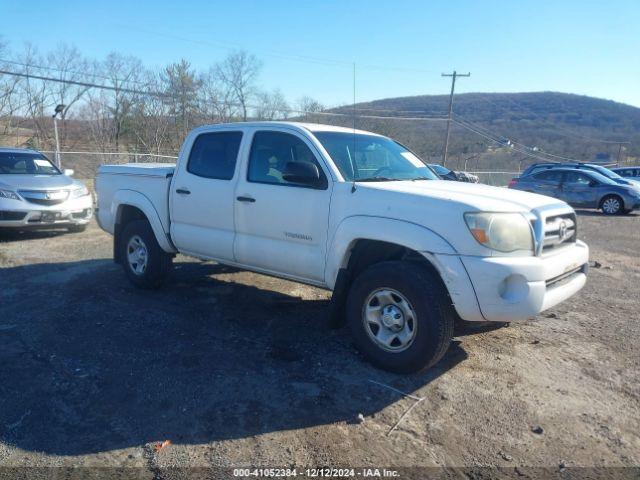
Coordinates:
238 369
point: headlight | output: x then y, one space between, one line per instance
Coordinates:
80 192
9 194
504 232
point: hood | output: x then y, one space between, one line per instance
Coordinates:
38 182
440 206
471 196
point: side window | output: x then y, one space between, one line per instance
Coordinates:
549 176
214 155
577 177
270 153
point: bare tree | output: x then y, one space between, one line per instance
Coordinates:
308 106
181 89
271 106
67 64
34 97
216 98
151 119
9 101
122 74
239 72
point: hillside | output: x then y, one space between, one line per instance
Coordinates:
562 124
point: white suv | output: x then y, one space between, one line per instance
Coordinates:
34 193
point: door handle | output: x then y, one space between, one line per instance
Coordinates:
183 191
246 199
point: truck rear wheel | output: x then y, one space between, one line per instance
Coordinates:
400 316
144 262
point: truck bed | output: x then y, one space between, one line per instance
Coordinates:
143 184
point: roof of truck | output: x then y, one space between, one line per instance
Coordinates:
311 127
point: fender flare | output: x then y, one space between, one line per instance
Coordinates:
136 199
362 227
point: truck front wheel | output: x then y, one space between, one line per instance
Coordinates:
400 316
144 262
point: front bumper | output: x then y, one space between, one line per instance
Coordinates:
23 214
506 289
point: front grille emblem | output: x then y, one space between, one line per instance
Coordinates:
562 231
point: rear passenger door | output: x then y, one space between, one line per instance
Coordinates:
281 226
202 196
548 183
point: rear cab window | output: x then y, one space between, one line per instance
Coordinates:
214 155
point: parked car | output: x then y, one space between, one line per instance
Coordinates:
537 167
404 252
34 193
467 177
631 173
445 174
581 188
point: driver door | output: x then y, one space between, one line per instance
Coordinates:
281 227
577 189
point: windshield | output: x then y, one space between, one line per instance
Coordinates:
601 178
364 158
28 163
606 172
440 170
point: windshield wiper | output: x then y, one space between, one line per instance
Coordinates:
376 179
421 178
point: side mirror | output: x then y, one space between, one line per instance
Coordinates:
593 183
304 173
68 172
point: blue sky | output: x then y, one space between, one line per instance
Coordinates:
587 47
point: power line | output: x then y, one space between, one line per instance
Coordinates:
146 84
501 141
524 146
271 53
163 95
74 72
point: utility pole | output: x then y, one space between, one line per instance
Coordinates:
59 110
620 148
453 76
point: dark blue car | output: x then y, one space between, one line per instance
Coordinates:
581 188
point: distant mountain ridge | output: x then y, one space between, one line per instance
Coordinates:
569 125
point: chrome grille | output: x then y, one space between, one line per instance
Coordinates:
559 230
45 197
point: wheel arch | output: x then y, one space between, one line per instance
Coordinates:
378 240
378 236
128 205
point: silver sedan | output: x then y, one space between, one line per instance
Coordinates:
34 193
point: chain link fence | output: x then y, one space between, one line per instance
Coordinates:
497 179
85 164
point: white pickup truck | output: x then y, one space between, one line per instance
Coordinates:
404 253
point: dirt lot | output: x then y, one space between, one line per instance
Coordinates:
238 369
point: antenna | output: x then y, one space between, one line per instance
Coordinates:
353 157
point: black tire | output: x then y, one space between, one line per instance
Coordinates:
158 262
434 318
613 198
77 228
